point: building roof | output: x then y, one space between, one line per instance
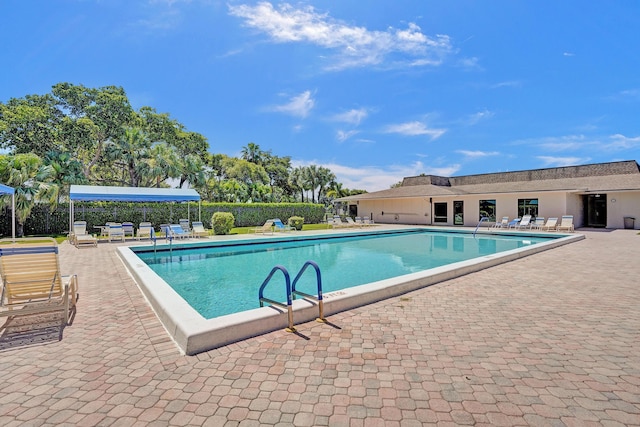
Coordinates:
595 178
132 194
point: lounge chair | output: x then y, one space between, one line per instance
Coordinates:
145 230
525 222
177 231
115 232
504 223
538 223
85 240
368 221
184 223
199 230
31 279
267 228
566 223
352 223
128 230
514 223
336 222
79 229
279 226
550 225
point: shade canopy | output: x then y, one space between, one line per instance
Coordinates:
5 189
132 194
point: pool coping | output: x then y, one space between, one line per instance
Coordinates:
194 334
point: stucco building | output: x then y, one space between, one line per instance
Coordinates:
597 195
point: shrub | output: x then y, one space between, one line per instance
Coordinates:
296 222
222 222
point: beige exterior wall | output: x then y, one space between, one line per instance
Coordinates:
620 205
551 204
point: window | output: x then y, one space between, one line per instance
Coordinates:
439 212
528 207
488 210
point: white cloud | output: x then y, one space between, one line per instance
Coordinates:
621 142
415 128
568 54
477 154
550 161
344 135
353 116
510 83
351 45
479 116
373 178
298 106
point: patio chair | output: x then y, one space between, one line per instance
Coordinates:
514 223
504 223
266 228
79 229
525 222
538 223
115 232
184 223
128 230
31 279
177 231
199 230
352 223
145 230
566 223
338 223
279 226
550 225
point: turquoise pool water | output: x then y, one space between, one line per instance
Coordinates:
225 279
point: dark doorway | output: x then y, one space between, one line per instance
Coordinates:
458 212
595 210
439 212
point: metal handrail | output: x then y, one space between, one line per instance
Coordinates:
289 305
478 226
319 286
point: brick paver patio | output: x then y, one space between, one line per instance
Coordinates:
550 339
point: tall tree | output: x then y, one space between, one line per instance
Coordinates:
252 153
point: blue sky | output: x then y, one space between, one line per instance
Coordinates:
375 90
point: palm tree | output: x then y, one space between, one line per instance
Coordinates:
31 180
325 177
296 181
252 153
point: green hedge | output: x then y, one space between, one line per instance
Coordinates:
43 221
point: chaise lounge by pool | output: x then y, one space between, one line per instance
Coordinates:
206 294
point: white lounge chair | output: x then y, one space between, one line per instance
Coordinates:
145 230
503 223
128 230
550 225
514 223
525 222
565 224
184 223
115 232
199 230
538 223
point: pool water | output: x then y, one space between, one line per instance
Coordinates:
222 280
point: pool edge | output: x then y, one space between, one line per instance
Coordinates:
193 334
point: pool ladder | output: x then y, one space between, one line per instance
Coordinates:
292 292
484 218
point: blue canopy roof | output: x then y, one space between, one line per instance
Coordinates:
132 194
5 189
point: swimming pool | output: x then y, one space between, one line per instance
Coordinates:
222 280
195 333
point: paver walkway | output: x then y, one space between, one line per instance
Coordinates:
550 339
